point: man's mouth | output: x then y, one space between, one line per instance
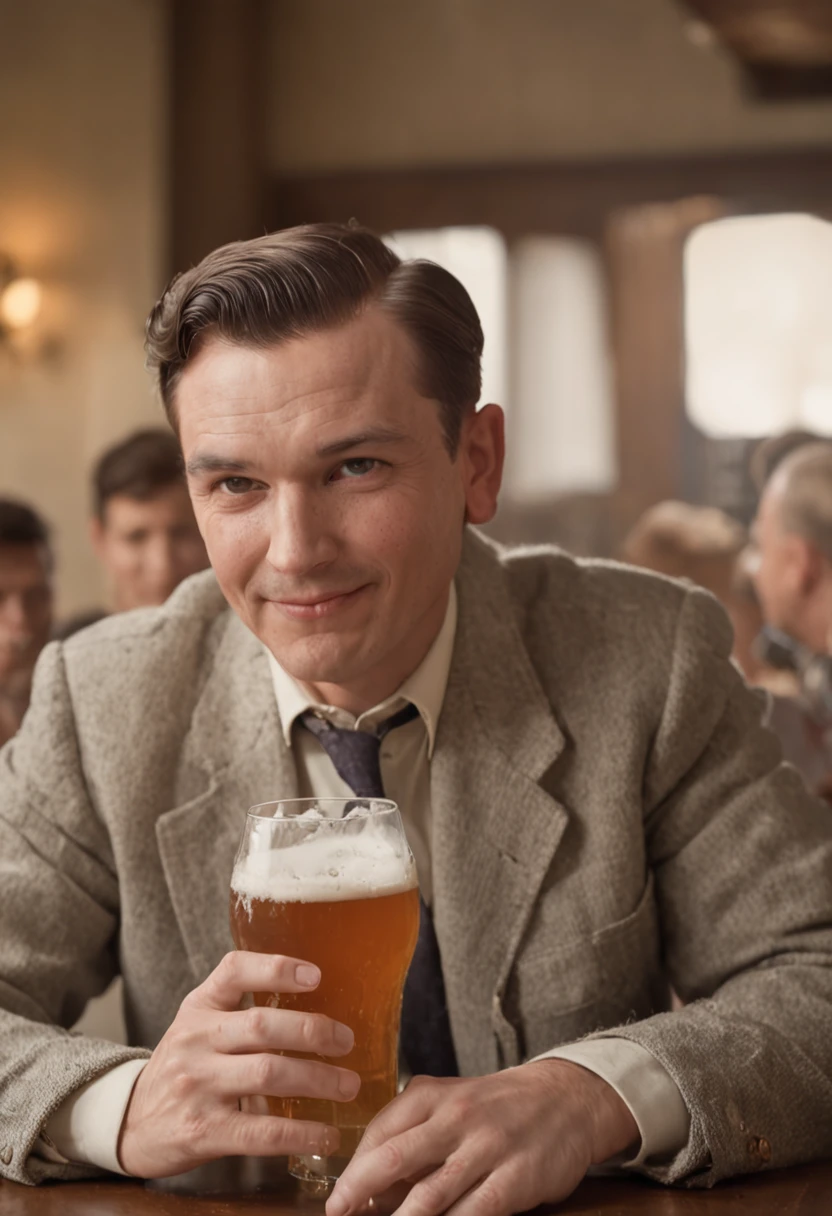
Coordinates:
316 607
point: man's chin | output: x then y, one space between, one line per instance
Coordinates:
319 659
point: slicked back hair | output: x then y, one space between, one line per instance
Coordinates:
308 279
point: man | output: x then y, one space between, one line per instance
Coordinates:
793 533
143 527
25 607
586 786
703 544
793 575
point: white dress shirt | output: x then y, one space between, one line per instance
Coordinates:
86 1127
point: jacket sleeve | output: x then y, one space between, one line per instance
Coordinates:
59 911
742 857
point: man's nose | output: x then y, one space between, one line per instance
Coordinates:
301 533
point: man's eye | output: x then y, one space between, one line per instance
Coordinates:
236 485
359 467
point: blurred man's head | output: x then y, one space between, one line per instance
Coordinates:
706 546
687 541
143 526
771 452
325 396
793 533
25 599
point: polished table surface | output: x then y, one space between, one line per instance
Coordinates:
804 1190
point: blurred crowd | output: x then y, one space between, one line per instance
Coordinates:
775 582
143 531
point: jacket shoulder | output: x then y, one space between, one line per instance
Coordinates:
196 600
604 616
148 649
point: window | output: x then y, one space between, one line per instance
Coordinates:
758 303
542 306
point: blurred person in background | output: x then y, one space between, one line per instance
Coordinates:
771 452
143 528
708 547
705 545
26 601
793 576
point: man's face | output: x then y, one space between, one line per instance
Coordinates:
331 509
148 547
779 575
25 613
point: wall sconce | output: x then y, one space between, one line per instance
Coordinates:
20 300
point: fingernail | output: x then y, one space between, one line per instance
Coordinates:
336 1205
307 975
349 1084
344 1037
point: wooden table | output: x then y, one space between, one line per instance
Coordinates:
803 1191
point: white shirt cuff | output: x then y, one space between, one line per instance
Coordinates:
85 1127
643 1084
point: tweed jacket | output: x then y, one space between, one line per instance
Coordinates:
609 818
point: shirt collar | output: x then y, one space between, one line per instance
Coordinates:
425 688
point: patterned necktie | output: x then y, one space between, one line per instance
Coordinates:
425 1029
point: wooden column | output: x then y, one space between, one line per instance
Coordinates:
217 182
645 251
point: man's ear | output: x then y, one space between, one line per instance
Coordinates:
811 564
481 455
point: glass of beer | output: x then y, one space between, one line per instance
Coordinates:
332 881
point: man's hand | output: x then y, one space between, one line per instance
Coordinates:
490 1145
184 1109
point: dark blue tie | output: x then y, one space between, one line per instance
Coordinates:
426 1038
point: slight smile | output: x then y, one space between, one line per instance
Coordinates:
316 609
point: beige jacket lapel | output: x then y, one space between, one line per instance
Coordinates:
495 830
233 757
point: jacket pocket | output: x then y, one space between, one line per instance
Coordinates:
559 992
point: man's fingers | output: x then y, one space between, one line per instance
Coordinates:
396 1160
263 1029
408 1110
441 1188
496 1194
269 1136
243 971
283 1077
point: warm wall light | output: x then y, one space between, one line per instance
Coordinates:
20 299
20 303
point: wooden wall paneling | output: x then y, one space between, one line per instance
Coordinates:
645 259
573 198
217 184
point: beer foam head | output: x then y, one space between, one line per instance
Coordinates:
326 865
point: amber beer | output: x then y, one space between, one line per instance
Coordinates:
344 897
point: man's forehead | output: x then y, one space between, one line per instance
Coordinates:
367 356
167 500
769 514
21 564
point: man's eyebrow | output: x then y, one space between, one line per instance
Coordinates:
209 463
373 434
